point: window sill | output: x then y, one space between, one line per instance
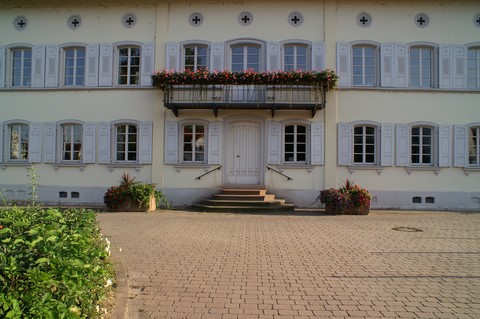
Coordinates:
411 169
353 168
81 166
4 165
282 167
112 166
471 169
205 167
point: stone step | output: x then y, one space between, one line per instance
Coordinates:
244 203
243 191
245 209
266 197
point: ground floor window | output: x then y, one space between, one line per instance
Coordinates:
474 146
364 144
193 143
71 142
295 148
18 141
422 145
126 142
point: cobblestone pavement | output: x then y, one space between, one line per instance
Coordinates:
205 265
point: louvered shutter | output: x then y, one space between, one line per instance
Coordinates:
105 65
91 65
2 66
460 146
35 143
401 66
171 143
104 143
445 146
386 145
214 144
89 137
52 55
445 66
318 56
49 142
145 147
344 144
273 56
217 58
172 56
2 134
460 67
387 64
317 141
274 147
38 66
402 145
343 64
147 63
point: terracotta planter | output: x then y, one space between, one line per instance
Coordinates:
330 209
128 205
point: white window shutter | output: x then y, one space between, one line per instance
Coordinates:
344 144
387 64
51 77
460 146
2 66
104 140
273 56
173 56
145 148
147 63
274 147
88 147
35 143
386 145
217 58
106 65
2 134
445 66
401 66
91 66
214 144
460 67
318 56
38 66
343 64
402 145
171 143
318 146
445 145
49 142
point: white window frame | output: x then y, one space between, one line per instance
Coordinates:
433 144
295 142
11 50
376 63
61 143
477 145
196 45
129 46
182 124
8 141
245 43
476 70
376 152
308 55
73 46
115 125
433 64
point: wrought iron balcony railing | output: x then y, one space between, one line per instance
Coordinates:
246 97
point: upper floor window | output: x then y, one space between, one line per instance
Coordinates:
473 68
245 57
195 58
474 146
129 65
422 138
18 138
71 140
364 144
126 141
295 57
21 67
364 65
421 67
295 143
74 67
193 143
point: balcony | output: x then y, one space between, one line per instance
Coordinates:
310 97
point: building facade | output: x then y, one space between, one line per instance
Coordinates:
404 122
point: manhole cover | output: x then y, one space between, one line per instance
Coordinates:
407 229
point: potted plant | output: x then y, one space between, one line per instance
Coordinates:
130 196
349 199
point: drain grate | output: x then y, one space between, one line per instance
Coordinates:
407 229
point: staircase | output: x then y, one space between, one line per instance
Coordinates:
246 200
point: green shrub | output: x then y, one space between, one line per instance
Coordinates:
53 264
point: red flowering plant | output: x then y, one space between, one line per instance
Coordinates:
163 78
350 198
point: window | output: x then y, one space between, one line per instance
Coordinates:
473 68
295 147
195 58
421 67
18 134
295 57
126 140
245 57
128 65
21 67
364 144
71 142
422 145
364 65
193 143
74 67
474 146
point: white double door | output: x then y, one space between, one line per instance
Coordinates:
244 160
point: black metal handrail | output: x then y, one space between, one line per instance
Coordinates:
212 170
278 172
